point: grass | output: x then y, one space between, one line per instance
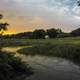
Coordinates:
12 68
31 42
71 52
68 48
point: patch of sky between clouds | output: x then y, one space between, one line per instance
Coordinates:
68 5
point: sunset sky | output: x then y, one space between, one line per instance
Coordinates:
27 15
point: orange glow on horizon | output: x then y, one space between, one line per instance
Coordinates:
16 32
9 33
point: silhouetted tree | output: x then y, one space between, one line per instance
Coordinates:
76 32
3 26
52 33
39 34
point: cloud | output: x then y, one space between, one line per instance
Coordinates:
57 13
37 7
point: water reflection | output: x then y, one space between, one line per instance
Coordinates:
49 68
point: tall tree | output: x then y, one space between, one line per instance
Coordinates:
39 34
3 26
52 33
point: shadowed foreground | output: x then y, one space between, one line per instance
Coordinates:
11 68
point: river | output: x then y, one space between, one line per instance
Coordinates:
48 68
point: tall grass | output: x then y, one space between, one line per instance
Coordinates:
71 52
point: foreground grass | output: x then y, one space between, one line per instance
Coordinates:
12 68
71 52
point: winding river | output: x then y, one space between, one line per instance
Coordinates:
49 68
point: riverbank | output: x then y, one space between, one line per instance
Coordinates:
71 52
68 48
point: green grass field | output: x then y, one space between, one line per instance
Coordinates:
26 42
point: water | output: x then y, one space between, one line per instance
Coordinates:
49 68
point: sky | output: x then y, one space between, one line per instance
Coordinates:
28 15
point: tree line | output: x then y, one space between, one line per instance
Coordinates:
39 33
42 34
